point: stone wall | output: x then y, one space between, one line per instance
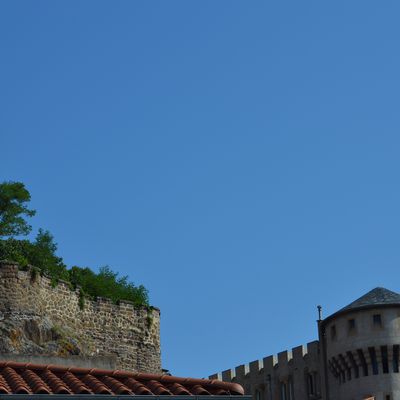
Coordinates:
289 375
37 317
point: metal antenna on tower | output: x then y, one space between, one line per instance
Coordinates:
319 313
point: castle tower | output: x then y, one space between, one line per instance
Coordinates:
360 343
357 357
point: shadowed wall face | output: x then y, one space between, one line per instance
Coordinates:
37 318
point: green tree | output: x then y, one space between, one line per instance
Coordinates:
13 209
16 250
107 284
42 255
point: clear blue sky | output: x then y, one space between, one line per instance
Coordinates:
238 158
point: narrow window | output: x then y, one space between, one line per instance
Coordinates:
269 380
283 391
396 358
387 397
290 389
333 332
351 325
364 364
310 381
377 320
316 380
374 363
385 361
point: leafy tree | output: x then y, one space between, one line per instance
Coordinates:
41 253
13 199
117 288
85 278
107 284
16 250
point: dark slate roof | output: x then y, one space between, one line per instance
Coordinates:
377 297
28 379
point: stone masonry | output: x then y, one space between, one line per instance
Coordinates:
289 375
37 317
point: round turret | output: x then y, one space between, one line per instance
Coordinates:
362 348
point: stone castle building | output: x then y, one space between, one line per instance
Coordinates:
47 323
356 357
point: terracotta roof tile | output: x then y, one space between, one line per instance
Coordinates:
56 384
178 389
137 387
15 381
199 390
76 385
21 378
158 388
116 386
35 382
4 388
95 385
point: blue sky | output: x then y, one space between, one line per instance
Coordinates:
238 158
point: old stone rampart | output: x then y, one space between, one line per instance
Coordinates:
266 376
38 317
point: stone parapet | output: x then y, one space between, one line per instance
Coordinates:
38 317
288 370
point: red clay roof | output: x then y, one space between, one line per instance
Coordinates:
27 378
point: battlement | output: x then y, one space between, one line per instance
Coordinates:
48 319
295 358
9 269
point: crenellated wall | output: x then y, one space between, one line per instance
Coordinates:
291 372
37 317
